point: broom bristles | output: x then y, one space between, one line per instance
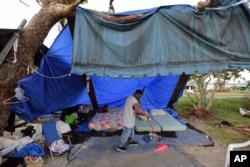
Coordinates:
161 147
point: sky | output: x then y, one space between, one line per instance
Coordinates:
128 5
12 12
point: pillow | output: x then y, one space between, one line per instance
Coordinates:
114 109
157 112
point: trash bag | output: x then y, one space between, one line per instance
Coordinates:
29 131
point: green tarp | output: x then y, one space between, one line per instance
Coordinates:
166 40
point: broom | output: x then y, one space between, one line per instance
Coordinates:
160 146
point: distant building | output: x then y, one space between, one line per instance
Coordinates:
191 86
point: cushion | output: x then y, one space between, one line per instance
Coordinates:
168 123
144 126
157 112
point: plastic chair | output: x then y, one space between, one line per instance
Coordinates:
231 147
52 136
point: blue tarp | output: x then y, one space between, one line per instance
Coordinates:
53 88
47 93
166 40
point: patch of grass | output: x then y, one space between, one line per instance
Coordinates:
223 109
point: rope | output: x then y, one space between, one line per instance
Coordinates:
35 71
7 101
65 75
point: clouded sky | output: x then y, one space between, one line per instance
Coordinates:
12 12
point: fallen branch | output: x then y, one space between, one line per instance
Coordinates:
200 113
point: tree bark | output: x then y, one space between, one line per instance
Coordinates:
211 99
30 39
203 4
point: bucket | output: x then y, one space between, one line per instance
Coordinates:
70 119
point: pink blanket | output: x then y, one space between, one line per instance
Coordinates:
107 121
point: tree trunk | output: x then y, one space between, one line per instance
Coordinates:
30 39
211 100
203 4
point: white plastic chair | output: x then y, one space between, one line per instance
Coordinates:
231 147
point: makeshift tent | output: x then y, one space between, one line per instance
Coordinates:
47 92
151 52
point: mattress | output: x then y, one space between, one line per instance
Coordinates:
168 123
108 121
162 121
144 126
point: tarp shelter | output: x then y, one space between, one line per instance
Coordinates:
53 88
151 52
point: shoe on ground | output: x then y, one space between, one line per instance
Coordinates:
133 143
121 149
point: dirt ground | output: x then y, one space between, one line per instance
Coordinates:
208 156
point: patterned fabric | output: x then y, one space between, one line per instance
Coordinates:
107 121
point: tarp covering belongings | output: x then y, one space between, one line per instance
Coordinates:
164 40
47 92
151 53
52 88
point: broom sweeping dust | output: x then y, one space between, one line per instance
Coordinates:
160 146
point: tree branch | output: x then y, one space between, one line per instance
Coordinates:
118 19
202 5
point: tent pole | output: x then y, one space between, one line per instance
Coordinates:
91 91
179 87
71 22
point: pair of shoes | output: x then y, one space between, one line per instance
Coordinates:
121 149
133 143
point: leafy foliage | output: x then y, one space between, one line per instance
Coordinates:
223 109
201 104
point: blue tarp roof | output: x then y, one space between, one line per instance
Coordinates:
53 88
166 40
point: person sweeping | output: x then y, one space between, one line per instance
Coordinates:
131 110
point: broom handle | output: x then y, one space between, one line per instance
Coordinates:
150 123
